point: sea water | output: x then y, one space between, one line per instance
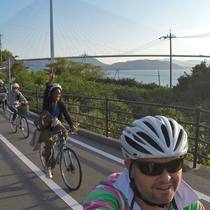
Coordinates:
161 77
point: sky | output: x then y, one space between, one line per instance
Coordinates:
102 27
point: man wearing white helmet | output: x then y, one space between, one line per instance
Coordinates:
3 94
154 149
16 99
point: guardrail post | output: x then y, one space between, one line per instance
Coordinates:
37 101
197 133
107 117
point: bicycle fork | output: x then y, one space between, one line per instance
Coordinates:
68 160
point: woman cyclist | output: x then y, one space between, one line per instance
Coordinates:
53 104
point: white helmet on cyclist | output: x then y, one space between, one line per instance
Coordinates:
1 81
154 137
15 85
55 86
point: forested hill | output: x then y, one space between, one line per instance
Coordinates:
143 64
136 64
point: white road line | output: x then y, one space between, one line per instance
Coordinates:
121 161
98 151
50 183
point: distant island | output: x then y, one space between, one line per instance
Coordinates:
144 64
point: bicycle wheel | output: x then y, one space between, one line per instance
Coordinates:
70 169
24 127
41 150
13 125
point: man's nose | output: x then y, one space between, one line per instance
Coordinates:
166 176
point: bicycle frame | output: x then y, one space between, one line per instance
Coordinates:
18 121
18 124
64 156
61 147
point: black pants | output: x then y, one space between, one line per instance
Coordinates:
50 141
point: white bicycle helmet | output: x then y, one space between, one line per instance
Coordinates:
154 137
1 81
54 86
15 85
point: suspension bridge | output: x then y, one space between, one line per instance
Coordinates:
23 184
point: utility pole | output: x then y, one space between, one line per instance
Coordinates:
9 75
159 78
51 34
117 74
10 63
84 58
169 36
9 71
0 50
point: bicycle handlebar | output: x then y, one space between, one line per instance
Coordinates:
24 103
62 131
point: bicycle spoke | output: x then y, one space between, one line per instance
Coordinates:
70 169
13 125
24 127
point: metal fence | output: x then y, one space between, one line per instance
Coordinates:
110 116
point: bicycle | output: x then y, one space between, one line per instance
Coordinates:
67 159
3 100
20 121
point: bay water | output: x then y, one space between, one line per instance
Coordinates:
161 77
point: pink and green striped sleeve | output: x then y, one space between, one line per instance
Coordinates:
197 205
105 198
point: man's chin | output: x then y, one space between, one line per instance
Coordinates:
165 196
166 199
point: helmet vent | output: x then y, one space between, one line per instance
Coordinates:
126 151
135 145
179 139
165 133
150 141
172 127
151 127
138 139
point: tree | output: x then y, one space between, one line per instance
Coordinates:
5 55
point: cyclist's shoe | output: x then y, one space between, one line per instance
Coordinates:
37 147
74 129
49 172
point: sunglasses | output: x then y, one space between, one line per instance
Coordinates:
155 169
